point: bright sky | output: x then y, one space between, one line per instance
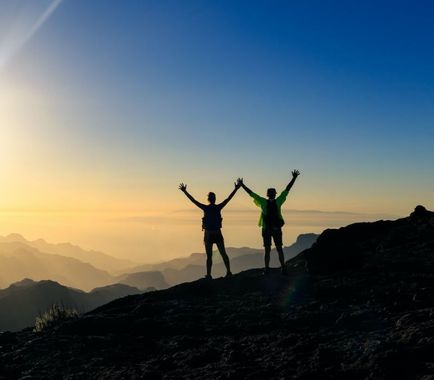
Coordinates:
105 106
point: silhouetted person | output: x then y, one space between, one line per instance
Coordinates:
271 219
211 225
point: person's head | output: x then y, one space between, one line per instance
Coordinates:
271 193
211 197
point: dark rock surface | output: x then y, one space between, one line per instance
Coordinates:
363 310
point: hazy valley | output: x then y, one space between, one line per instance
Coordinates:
37 274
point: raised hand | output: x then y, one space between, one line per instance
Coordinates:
183 187
295 174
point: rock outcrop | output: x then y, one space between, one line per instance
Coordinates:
400 245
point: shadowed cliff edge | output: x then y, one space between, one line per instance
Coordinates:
358 304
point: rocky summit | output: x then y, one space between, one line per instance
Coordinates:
358 304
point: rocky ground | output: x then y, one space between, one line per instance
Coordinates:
358 305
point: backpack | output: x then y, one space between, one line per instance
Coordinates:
212 219
272 219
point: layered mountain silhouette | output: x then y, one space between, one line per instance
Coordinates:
19 258
154 280
18 261
23 301
97 259
358 304
38 260
191 268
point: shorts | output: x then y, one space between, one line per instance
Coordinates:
275 233
213 236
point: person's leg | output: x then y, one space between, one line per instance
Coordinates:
208 250
267 258
281 257
222 250
266 236
277 237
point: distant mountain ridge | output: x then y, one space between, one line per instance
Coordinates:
302 242
18 261
137 280
23 301
99 260
191 268
20 258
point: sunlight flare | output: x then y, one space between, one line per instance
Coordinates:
17 38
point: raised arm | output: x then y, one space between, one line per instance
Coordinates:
295 174
248 191
183 188
231 195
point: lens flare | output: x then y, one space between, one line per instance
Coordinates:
293 292
18 38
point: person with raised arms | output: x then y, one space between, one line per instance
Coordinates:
211 225
271 219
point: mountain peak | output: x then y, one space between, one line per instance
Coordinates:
421 213
16 237
23 283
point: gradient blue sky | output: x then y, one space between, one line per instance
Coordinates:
124 99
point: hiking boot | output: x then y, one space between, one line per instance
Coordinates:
266 271
229 274
208 277
284 271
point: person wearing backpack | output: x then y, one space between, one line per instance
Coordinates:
211 225
271 219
